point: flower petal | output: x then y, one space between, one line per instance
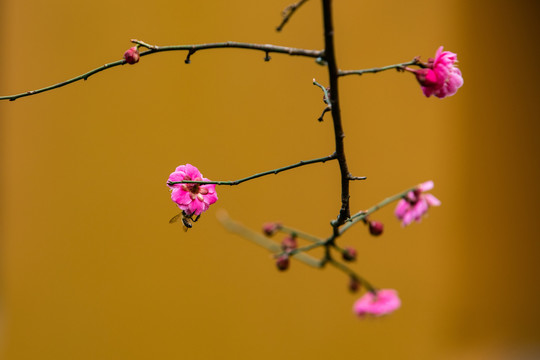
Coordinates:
432 200
426 186
384 302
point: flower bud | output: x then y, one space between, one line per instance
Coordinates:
349 254
354 285
271 228
376 228
282 262
289 243
132 55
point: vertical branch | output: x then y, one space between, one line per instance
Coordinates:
330 57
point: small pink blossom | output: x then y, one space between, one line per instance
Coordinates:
441 78
193 199
383 302
415 204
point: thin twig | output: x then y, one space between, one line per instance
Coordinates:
288 12
325 92
399 67
152 49
269 172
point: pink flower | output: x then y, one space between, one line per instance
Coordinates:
383 302
193 199
415 204
441 78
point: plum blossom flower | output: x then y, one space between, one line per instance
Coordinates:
415 204
441 78
383 302
193 199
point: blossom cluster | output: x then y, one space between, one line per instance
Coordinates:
194 194
416 204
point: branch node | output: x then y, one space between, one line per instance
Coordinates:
267 56
320 60
350 177
188 57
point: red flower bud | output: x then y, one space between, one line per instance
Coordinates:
354 285
132 55
271 228
349 254
376 228
289 243
282 262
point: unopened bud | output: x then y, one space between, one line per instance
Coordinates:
376 228
349 254
132 55
289 243
354 285
426 77
271 228
282 262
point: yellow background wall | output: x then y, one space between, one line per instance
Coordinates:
90 268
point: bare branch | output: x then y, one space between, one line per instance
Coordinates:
152 49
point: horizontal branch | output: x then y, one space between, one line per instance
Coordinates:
152 49
275 171
401 66
266 48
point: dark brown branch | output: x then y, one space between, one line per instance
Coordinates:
330 57
266 48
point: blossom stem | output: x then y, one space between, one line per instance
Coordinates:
399 67
275 171
288 12
352 274
152 49
360 216
301 234
261 240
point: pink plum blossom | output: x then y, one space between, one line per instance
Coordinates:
193 199
441 78
415 204
383 302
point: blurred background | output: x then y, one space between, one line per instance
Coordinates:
91 269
